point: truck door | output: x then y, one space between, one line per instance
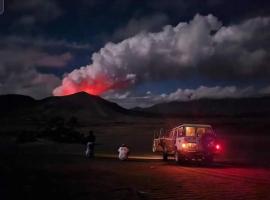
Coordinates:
179 138
157 141
170 143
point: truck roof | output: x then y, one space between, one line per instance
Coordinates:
195 125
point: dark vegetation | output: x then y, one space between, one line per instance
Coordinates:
57 129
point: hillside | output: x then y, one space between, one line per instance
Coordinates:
15 102
257 106
19 109
81 104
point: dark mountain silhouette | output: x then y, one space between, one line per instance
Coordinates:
89 108
13 102
85 107
82 104
253 107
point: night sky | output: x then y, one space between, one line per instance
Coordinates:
134 52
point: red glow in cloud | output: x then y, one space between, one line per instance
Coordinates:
97 86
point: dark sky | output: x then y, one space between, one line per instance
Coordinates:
136 52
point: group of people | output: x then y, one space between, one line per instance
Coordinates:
123 150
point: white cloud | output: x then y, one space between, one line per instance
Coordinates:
117 96
216 92
202 92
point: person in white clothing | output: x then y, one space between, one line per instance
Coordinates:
123 152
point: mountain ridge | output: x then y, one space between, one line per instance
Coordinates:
81 105
87 107
212 107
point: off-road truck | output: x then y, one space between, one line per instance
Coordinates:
188 142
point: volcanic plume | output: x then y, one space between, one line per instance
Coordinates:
202 45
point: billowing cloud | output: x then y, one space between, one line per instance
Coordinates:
201 45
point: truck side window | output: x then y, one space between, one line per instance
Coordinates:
200 131
190 131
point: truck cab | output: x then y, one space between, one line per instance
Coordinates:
187 142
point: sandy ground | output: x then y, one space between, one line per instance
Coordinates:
46 175
48 170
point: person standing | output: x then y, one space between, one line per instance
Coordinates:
90 145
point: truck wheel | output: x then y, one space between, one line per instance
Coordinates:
165 156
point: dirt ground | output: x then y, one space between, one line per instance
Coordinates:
64 175
48 170
74 177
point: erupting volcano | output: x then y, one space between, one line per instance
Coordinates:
97 86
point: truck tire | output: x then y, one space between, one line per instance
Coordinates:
165 154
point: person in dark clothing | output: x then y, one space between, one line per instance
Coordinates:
90 145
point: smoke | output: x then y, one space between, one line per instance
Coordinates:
96 84
200 45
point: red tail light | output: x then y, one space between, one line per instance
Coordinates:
217 147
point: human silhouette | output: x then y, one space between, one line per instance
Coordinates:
90 145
